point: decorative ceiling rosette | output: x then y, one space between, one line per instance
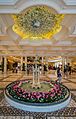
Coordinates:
37 22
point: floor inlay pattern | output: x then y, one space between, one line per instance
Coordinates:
7 110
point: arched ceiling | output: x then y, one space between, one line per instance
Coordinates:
61 44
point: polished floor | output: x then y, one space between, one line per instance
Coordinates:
8 112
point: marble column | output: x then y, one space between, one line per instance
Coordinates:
63 63
42 65
47 63
26 64
5 64
0 60
68 60
21 63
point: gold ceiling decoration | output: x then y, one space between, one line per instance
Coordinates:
37 22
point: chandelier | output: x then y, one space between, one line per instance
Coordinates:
37 22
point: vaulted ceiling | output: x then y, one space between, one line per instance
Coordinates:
61 44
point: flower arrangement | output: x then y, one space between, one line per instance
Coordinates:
37 22
55 94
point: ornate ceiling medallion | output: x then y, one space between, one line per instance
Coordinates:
37 22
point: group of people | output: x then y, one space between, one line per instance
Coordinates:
67 71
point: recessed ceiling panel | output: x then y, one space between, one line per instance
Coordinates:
37 22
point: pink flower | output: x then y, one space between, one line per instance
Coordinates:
24 92
52 95
46 96
52 90
15 86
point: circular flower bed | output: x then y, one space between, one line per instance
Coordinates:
57 92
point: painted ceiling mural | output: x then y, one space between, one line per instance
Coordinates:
37 22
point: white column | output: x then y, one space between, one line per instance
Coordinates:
47 63
26 64
21 63
42 65
63 63
0 60
69 60
5 64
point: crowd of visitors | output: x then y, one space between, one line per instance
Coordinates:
67 70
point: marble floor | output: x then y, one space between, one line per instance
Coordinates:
8 112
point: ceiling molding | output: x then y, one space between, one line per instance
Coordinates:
17 6
70 2
8 2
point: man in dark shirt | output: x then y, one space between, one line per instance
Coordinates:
59 74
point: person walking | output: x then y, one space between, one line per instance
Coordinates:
59 74
69 69
65 71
